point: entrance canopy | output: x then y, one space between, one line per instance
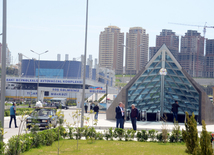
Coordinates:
159 84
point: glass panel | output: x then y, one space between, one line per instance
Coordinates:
178 91
147 72
140 79
157 78
137 91
145 91
158 58
170 72
134 86
155 72
159 65
173 65
149 78
172 84
153 65
182 86
167 66
152 84
185 80
187 93
168 58
176 79
190 87
167 78
143 85
179 73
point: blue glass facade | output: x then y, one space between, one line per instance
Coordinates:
49 73
56 69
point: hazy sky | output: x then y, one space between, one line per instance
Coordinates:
59 25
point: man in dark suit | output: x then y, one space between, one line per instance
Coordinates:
119 115
175 111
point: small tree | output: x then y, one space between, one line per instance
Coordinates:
190 135
206 147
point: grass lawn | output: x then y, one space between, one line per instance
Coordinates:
111 148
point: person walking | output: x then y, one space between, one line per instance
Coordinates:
96 110
119 115
175 111
91 107
13 115
134 115
86 107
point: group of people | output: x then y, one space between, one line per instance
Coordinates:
120 114
95 108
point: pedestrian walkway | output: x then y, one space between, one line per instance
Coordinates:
104 124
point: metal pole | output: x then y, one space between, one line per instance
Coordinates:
83 92
38 79
106 91
3 72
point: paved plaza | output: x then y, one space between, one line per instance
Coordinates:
102 125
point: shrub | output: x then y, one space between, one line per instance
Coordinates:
70 132
107 135
2 144
152 134
159 137
176 133
190 135
118 132
206 147
99 136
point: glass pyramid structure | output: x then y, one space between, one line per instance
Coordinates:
154 91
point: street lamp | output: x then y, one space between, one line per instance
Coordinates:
38 71
3 61
84 68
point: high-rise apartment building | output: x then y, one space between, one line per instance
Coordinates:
137 43
111 49
191 56
170 39
209 58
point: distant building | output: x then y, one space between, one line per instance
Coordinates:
111 49
8 56
137 42
168 38
66 57
58 57
191 56
209 58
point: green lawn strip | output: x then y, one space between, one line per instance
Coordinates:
111 148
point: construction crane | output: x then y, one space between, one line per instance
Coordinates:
204 30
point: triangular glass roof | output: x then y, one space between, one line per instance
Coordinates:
154 92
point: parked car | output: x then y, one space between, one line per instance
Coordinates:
58 105
42 117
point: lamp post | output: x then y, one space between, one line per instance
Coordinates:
3 72
38 71
84 68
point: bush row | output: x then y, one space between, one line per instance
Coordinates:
19 111
22 143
